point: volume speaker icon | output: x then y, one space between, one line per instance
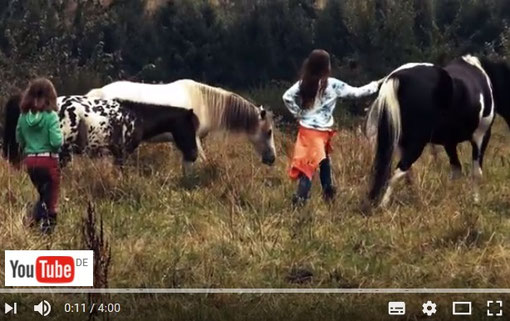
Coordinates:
44 308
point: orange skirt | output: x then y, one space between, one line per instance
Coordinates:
312 146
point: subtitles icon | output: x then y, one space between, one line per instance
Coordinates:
44 308
461 308
494 308
396 308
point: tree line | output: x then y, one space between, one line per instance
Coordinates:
236 44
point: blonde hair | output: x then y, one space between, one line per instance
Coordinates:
226 110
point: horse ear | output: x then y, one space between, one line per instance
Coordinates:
263 114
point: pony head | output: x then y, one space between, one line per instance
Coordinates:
499 74
184 133
263 138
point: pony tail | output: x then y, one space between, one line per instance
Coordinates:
388 136
11 149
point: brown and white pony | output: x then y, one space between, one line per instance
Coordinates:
217 110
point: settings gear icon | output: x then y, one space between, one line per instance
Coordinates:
429 308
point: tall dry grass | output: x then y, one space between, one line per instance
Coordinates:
232 225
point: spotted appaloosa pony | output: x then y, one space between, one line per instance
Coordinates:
216 109
93 125
423 103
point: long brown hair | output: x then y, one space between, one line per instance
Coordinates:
314 77
40 95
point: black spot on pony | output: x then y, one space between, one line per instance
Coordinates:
423 103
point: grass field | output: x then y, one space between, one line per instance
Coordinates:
232 225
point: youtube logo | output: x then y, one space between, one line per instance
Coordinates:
49 268
54 269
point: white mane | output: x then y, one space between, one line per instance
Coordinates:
472 60
475 61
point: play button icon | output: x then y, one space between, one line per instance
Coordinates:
11 308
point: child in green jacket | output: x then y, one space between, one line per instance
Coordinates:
39 135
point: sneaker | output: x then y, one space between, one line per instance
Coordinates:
298 201
40 211
48 224
329 194
34 214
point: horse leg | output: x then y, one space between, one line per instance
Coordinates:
485 143
456 167
64 156
476 172
479 146
201 153
397 175
119 161
409 155
119 154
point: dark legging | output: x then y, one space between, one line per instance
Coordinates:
45 175
305 184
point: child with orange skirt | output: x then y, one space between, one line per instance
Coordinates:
312 101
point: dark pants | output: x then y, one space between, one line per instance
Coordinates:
305 184
45 175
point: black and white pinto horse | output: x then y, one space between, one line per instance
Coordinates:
92 126
217 110
422 103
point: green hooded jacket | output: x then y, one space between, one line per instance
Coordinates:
39 132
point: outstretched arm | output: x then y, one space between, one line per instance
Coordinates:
343 90
290 99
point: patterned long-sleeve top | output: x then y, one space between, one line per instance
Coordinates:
320 115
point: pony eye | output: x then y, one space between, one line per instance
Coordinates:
270 132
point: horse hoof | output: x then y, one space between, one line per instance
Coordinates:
384 202
367 208
455 175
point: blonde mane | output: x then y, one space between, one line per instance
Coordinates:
226 110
